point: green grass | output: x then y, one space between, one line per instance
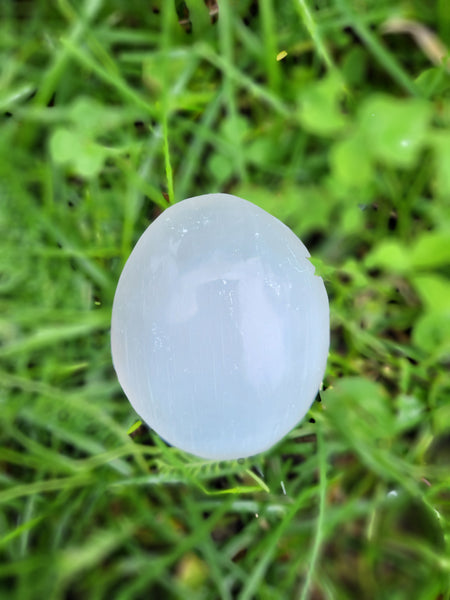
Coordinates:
108 111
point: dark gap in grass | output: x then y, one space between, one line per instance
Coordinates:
345 278
142 435
236 586
183 15
375 73
141 128
293 459
314 239
213 9
392 222
227 530
439 453
404 48
252 13
374 273
52 102
338 341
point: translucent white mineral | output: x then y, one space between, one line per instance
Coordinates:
220 329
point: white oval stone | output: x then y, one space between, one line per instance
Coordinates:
220 329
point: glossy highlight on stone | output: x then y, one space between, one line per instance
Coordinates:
220 329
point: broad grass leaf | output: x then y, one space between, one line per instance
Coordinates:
350 162
389 255
360 411
432 249
221 167
82 153
320 112
65 145
434 291
92 118
433 82
409 412
302 208
431 334
395 130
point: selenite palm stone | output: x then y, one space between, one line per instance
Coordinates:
220 329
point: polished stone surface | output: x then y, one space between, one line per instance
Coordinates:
220 329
